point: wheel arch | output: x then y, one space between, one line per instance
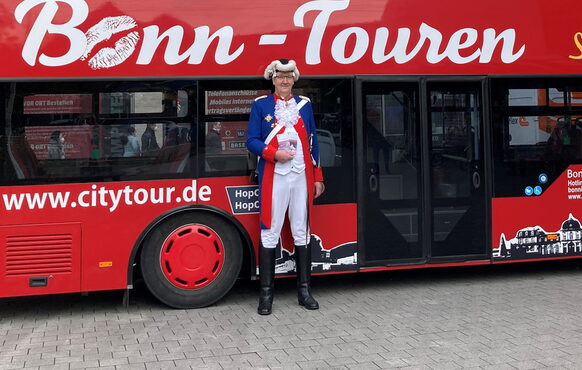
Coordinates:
248 263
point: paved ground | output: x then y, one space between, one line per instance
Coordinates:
524 316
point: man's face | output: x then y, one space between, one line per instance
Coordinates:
283 83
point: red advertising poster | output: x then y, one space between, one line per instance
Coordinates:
57 104
224 102
77 140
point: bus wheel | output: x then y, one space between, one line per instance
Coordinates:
191 260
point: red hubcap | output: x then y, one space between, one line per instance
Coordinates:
192 256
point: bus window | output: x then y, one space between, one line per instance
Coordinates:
131 102
224 114
99 131
531 97
225 107
537 128
332 108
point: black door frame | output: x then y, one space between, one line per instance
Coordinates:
425 198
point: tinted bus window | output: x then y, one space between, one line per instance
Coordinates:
537 128
224 113
98 131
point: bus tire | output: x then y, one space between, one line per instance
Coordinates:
191 260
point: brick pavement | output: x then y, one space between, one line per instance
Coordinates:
524 316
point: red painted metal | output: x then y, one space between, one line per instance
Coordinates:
51 252
426 265
192 256
547 211
107 231
66 38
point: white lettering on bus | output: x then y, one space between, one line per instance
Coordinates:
115 198
126 191
140 196
82 44
312 52
462 46
189 193
106 198
338 47
44 25
81 199
202 40
398 52
36 200
249 194
574 174
93 196
204 193
246 206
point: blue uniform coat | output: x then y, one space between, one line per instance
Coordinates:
261 123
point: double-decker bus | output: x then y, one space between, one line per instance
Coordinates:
450 134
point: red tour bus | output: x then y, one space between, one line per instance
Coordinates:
449 134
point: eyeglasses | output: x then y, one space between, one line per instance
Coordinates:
284 77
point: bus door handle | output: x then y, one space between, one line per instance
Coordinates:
373 171
476 179
373 183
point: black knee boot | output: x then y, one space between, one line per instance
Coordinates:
303 266
267 274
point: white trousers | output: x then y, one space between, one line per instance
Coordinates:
289 192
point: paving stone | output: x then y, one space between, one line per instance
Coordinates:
39 362
130 367
317 364
527 365
54 367
508 317
83 364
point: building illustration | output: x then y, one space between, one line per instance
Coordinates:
535 242
340 258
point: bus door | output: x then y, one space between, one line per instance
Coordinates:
420 185
456 167
389 179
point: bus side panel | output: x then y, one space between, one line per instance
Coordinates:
40 259
333 241
335 246
540 226
334 226
111 216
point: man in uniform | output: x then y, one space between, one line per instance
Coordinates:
282 133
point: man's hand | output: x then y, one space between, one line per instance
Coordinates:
319 188
283 156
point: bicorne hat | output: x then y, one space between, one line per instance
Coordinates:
281 65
